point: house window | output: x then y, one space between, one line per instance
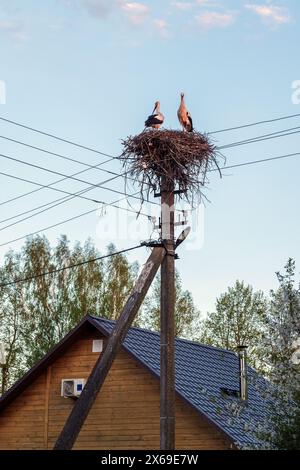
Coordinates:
97 345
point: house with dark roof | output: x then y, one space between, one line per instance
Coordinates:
125 414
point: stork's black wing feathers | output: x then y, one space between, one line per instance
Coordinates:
153 119
191 123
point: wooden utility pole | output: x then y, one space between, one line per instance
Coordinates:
167 323
3 378
3 368
81 408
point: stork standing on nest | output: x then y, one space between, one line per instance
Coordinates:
156 119
184 116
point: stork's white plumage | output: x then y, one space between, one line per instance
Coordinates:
156 119
184 116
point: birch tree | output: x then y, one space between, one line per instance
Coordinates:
283 342
239 319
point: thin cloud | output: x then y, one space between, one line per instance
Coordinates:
98 8
162 27
182 6
207 3
214 19
13 30
136 12
271 14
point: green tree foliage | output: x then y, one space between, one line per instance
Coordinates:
13 312
283 323
119 278
186 314
239 319
283 342
35 315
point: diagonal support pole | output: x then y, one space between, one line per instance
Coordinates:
95 381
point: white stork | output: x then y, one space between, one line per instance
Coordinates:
184 116
156 119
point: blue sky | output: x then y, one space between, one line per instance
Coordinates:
90 71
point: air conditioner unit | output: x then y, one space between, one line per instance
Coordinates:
72 388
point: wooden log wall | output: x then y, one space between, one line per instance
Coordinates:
125 414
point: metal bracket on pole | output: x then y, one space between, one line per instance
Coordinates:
168 251
152 243
176 191
182 236
159 243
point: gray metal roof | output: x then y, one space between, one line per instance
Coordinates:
201 372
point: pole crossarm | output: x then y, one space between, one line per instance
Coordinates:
96 379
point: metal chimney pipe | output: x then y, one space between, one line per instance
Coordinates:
242 355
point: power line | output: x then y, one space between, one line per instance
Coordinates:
257 123
63 201
49 227
32 165
58 202
242 126
271 134
255 139
71 266
104 204
66 198
59 181
65 157
244 142
76 144
258 161
77 195
93 210
61 139
59 155
41 186
64 179
277 134
274 135
134 196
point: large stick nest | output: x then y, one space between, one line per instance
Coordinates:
182 158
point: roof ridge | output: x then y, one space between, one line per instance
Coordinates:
193 342
132 327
